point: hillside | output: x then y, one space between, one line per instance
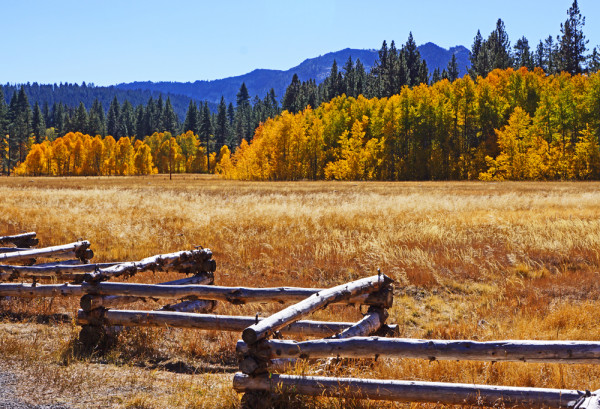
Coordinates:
260 81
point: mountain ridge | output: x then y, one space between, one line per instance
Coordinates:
261 80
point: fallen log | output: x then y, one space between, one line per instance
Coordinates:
187 262
316 301
89 301
73 270
21 240
79 249
408 391
201 321
566 352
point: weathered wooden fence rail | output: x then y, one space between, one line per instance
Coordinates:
567 352
79 249
209 322
407 391
20 240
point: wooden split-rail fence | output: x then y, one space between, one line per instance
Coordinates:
263 355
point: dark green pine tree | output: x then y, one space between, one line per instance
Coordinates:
523 57
3 133
478 63
150 118
498 44
59 121
538 57
452 69
80 119
192 120
398 72
20 127
112 118
349 84
243 113
206 132
291 99
572 44
380 72
22 124
309 94
46 114
170 121
96 119
436 76
126 120
551 57
272 104
413 61
423 73
333 82
360 76
221 125
594 61
38 124
140 124
158 114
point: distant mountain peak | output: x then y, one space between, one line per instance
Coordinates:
261 80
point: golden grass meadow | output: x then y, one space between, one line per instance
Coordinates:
471 260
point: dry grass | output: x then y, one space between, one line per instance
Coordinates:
472 260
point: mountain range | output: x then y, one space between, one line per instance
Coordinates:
260 81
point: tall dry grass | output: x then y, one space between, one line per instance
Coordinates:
471 260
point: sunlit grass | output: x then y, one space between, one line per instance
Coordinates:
471 260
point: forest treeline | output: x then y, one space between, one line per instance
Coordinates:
456 128
77 154
509 125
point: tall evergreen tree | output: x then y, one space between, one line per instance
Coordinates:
112 118
523 57
413 61
452 69
360 80
20 127
80 119
206 132
38 124
3 132
126 120
170 121
477 58
243 127
96 119
192 122
292 98
498 45
572 44
58 113
221 125
349 76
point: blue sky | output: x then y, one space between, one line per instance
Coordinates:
108 42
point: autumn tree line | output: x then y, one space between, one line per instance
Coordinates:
498 122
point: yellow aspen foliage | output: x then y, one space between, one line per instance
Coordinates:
224 165
124 157
142 159
586 161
